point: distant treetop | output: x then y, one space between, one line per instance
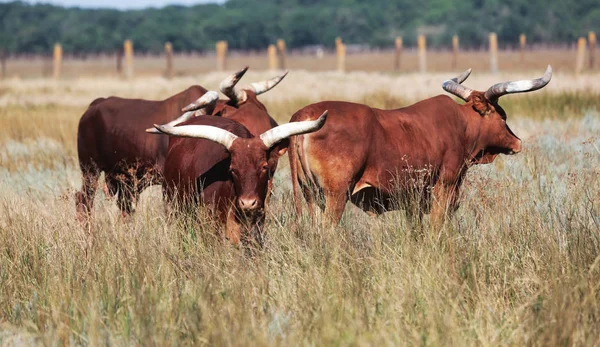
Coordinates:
253 25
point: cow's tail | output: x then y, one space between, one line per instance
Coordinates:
293 156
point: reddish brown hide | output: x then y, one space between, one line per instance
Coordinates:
413 158
226 168
111 139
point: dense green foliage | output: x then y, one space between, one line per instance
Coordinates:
249 24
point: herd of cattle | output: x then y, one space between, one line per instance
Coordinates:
223 153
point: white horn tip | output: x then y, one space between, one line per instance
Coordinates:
206 99
322 118
241 72
548 73
152 131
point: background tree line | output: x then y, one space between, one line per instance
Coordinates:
250 24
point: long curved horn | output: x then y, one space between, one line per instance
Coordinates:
453 86
183 118
208 100
264 86
199 107
207 132
281 132
227 87
499 89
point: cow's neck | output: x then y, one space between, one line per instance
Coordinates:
474 139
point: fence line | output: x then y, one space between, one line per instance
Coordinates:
57 60
281 53
522 44
277 55
493 53
422 49
221 51
169 60
398 53
128 49
340 48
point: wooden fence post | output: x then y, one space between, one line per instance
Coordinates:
592 44
281 51
341 55
455 48
272 53
493 53
221 48
57 60
169 58
398 54
2 63
128 49
579 60
422 49
522 43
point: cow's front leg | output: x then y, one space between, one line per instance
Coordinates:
233 229
335 202
445 203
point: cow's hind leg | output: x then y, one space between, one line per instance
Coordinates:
120 185
84 199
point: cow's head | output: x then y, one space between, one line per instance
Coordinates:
494 135
209 102
249 167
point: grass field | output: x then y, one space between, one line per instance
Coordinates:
518 265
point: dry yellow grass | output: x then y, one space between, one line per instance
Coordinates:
520 263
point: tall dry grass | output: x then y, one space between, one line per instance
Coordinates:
519 264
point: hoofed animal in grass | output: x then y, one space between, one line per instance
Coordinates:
219 163
111 139
414 158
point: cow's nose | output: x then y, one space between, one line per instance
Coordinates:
248 204
517 148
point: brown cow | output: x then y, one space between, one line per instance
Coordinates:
378 158
225 167
111 139
252 113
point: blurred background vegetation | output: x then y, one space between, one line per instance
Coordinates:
250 24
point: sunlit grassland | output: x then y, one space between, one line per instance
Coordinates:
519 264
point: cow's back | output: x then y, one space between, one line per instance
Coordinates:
421 134
112 130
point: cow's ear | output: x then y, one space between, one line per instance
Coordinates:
481 105
280 148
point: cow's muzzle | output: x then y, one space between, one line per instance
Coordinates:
248 204
516 149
